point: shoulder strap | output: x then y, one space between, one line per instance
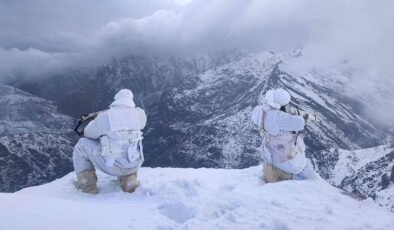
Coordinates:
263 133
261 119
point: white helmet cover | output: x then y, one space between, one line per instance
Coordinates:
277 98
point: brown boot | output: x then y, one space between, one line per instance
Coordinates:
87 182
274 174
129 183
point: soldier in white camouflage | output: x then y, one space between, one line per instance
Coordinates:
112 143
283 148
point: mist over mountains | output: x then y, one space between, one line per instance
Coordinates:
198 68
52 39
199 109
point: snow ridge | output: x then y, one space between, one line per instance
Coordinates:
171 198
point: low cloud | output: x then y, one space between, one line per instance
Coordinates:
38 38
204 26
16 63
329 31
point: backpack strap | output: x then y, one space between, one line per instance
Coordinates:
263 133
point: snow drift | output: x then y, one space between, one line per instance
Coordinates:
171 198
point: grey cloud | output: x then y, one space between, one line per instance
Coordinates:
34 23
204 26
40 37
44 36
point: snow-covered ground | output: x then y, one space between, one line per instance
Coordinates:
170 198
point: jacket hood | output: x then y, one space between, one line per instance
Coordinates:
123 98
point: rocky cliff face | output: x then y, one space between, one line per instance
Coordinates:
367 172
35 140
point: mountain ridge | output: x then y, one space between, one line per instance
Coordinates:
199 116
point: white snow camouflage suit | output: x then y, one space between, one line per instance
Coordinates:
281 147
113 140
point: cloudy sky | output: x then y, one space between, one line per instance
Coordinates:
38 37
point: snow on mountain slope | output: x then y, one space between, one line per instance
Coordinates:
22 112
36 141
199 108
171 198
207 115
366 172
81 92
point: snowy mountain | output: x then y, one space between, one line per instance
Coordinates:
23 112
199 107
35 140
80 92
170 198
367 172
209 114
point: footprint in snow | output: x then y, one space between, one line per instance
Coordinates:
178 212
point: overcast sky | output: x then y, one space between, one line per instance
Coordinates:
40 36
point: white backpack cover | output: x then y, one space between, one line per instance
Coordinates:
284 150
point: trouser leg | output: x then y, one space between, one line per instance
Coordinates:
82 150
86 174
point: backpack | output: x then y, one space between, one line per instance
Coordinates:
282 147
135 155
